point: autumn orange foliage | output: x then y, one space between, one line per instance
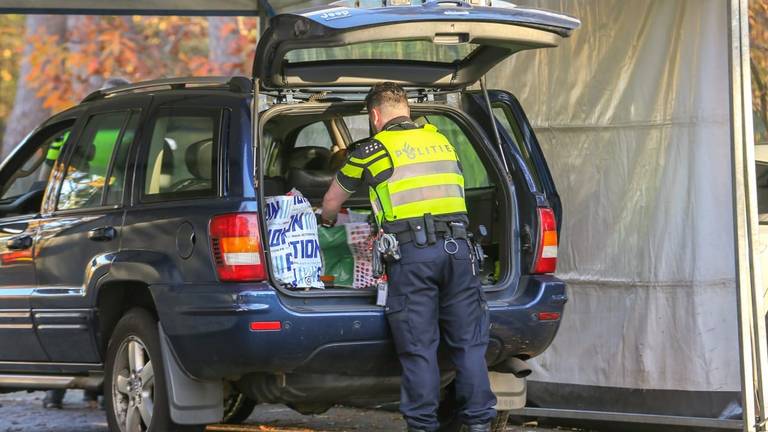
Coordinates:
11 46
136 48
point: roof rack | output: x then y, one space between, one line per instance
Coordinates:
238 84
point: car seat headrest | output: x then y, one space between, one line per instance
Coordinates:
311 183
313 158
199 159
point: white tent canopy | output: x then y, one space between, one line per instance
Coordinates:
638 142
640 117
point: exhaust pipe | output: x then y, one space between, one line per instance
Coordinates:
515 366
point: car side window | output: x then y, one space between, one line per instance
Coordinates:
29 169
37 167
358 126
85 177
182 159
475 174
504 116
314 135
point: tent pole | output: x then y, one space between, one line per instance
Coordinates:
751 308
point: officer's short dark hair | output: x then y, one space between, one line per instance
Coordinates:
386 93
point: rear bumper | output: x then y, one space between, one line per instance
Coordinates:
209 329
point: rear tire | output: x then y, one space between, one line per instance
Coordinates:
499 424
135 392
237 407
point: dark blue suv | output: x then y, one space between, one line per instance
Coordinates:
132 252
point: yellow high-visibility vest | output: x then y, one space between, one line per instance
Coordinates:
426 177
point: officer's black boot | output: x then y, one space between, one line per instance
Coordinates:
413 429
485 427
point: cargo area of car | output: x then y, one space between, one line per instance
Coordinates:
302 146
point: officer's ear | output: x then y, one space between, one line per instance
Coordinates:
373 116
378 119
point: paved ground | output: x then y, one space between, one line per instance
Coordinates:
23 412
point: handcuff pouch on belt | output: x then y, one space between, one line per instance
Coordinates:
386 249
476 249
458 231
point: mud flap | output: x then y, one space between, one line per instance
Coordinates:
510 391
191 401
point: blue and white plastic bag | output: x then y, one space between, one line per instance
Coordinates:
293 243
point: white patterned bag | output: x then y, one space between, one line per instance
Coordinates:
293 243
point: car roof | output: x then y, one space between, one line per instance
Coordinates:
234 84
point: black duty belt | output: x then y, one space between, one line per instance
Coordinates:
410 236
427 231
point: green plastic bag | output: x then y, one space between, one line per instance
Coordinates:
346 251
337 256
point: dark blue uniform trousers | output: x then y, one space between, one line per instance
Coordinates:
431 293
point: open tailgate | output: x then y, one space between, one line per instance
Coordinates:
441 44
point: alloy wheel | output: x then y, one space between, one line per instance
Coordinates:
133 386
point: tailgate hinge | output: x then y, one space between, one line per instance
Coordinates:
426 95
286 97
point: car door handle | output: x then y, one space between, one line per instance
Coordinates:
102 234
19 243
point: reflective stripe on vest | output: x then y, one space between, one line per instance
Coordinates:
426 177
54 150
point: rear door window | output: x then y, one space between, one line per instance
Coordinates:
358 126
182 161
475 174
314 135
86 175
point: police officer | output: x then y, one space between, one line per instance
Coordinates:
416 189
54 150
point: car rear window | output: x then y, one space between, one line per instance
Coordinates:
426 51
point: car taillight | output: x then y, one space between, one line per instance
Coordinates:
236 246
546 252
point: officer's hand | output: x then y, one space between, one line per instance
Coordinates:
324 222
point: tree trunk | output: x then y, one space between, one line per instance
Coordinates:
28 111
77 32
220 45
